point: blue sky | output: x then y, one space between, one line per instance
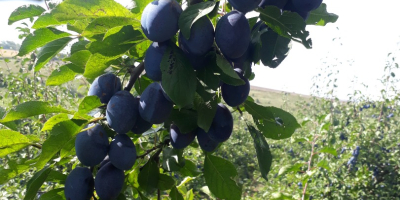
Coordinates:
357 45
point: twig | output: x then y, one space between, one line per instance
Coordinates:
36 145
309 168
135 73
48 8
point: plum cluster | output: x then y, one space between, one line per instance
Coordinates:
352 161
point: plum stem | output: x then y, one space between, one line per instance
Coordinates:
135 73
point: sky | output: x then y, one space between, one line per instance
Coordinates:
357 45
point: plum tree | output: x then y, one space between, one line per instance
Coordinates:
205 142
160 20
233 45
121 112
201 37
105 86
92 145
109 182
278 3
306 5
222 124
181 140
122 152
153 58
154 107
244 5
236 95
79 184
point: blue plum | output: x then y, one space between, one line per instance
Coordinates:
201 37
141 125
306 5
181 140
222 125
205 142
109 182
154 107
79 184
278 3
105 86
160 20
104 162
122 112
198 62
236 95
92 145
153 58
122 152
244 5
232 34
290 7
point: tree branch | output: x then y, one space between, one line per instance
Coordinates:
154 148
135 73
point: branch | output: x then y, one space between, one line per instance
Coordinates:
154 148
36 145
135 73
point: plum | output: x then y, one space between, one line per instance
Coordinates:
141 125
105 86
160 20
92 145
153 58
122 152
201 37
236 95
180 140
122 112
104 162
306 5
205 142
290 7
278 3
232 34
79 184
154 107
109 182
222 124
244 5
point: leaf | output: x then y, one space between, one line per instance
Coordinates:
62 75
191 14
56 176
12 141
321 17
205 112
149 176
79 46
142 84
78 9
172 159
227 74
208 78
25 12
219 174
273 122
88 104
96 65
31 108
329 150
185 119
264 155
178 78
287 24
139 7
324 164
56 194
281 196
10 125
40 38
54 120
274 49
35 183
79 58
47 20
49 51
190 169
7 174
290 168
104 24
174 194
58 138
165 182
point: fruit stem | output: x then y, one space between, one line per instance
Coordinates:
135 73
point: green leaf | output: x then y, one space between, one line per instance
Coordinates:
324 164
7 174
59 136
47 20
40 38
185 119
104 24
54 120
149 176
205 112
178 78
281 196
190 169
191 14
25 12
88 104
79 58
219 174
96 65
264 155
329 150
273 122
139 7
79 46
62 75
142 84
290 168
321 17
12 141
174 194
31 108
56 194
56 176
35 183
287 24
78 9
165 182
172 159
49 51
207 77
227 74
10 125
274 48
